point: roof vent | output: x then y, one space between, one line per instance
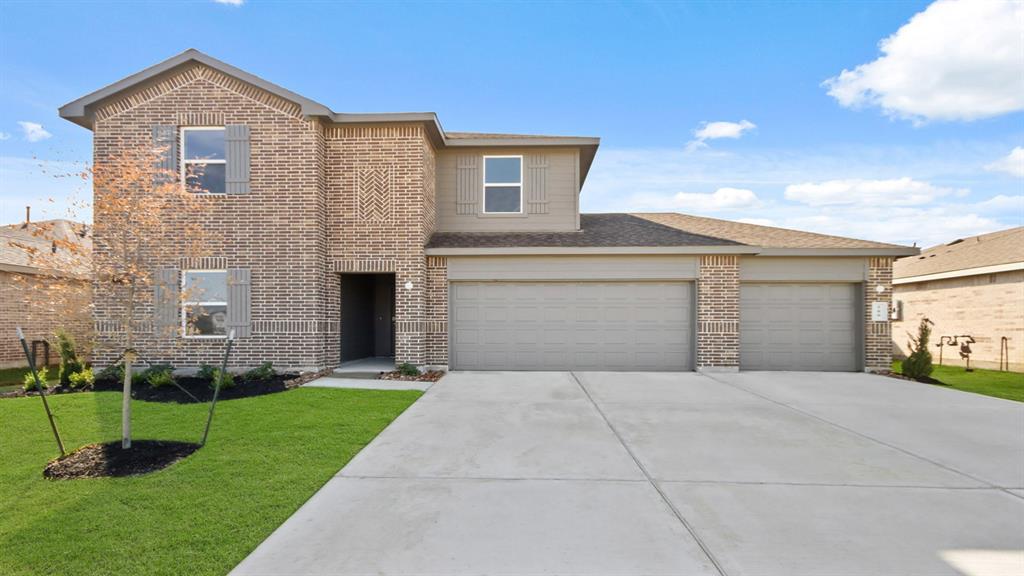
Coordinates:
957 241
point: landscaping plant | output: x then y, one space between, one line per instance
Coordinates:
407 369
82 379
30 380
159 375
262 372
69 362
918 364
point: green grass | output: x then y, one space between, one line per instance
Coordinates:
266 456
1008 385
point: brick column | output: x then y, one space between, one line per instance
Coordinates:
877 335
718 313
437 311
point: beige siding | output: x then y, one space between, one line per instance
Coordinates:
560 189
782 269
572 268
986 307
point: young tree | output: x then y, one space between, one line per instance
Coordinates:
144 218
918 364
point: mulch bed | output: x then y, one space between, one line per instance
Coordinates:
430 376
200 390
110 460
898 376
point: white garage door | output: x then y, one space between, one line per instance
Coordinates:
571 325
786 326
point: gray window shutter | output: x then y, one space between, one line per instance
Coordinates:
536 192
165 141
166 294
468 184
239 302
236 141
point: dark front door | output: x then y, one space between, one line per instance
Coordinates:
367 316
384 315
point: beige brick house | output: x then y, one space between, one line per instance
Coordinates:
344 236
971 286
44 286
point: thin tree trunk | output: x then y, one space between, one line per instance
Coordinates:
126 405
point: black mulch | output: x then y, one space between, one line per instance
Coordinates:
200 390
925 380
110 460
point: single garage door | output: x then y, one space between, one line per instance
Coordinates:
788 326
571 325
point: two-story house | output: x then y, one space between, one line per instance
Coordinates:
342 236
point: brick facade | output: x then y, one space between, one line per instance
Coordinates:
718 313
985 306
324 200
41 304
877 335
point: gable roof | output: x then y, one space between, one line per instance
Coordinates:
82 110
660 232
60 247
993 249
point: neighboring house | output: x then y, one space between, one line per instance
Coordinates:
972 286
44 285
352 235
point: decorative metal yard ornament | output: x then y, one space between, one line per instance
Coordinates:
216 389
943 342
965 350
42 390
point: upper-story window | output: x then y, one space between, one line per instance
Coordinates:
503 184
203 160
205 303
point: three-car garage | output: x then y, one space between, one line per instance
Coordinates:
639 313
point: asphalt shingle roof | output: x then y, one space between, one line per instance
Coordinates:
1003 247
31 246
597 230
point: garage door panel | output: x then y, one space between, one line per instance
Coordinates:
572 325
793 326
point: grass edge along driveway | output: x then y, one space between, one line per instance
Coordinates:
995 383
266 456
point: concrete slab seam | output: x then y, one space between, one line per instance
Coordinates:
664 497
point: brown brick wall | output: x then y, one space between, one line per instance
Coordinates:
877 335
718 312
986 306
277 231
437 311
40 305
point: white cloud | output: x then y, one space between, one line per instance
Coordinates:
956 60
5 136
715 130
1012 163
33 132
722 199
230 2
895 192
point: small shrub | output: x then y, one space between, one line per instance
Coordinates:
159 376
69 362
264 371
918 364
229 380
29 382
112 373
82 379
206 372
407 369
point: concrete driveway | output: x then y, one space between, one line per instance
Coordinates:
645 474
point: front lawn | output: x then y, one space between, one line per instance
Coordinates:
1008 385
266 455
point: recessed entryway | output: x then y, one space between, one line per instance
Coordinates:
367 316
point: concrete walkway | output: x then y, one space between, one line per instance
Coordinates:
741 474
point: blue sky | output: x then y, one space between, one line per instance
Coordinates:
732 110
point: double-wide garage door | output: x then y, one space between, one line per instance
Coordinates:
571 325
790 326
